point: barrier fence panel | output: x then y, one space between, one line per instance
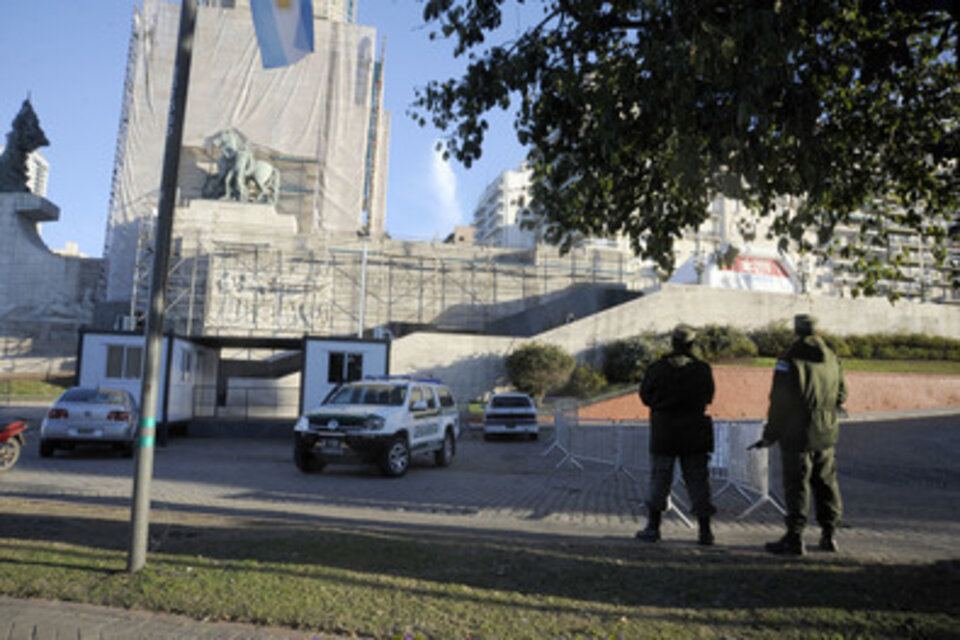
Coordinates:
624 447
594 441
746 471
563 420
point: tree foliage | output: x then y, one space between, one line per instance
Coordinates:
638 112
585 381
536 369
626 360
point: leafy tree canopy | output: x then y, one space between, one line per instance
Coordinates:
638 112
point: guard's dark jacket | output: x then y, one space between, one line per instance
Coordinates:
808 389
678 388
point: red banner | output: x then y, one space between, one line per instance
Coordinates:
758 267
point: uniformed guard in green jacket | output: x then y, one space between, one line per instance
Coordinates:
805 403
678 388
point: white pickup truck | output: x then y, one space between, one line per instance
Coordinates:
383 421
510 414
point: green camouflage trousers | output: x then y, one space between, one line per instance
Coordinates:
696 476
805 472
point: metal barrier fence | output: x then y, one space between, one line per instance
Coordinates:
746 471
624 445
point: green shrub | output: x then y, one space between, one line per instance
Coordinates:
721 342
624 361
861 346
585 381
536 369
901 346
837 344
772 340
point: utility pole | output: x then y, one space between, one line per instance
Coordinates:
154 330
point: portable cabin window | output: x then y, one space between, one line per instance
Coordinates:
124 361
186 366
344 367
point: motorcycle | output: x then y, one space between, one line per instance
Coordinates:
11 441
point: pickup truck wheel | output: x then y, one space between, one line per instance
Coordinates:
305 459
443 457
395 458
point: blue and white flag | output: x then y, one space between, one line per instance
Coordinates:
284 30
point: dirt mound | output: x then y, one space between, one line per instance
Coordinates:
742 392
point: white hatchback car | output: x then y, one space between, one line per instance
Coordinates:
510 414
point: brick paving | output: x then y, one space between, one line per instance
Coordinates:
899 479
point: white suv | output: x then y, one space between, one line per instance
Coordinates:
509 414
381 420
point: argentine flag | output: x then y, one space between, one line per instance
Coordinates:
284 30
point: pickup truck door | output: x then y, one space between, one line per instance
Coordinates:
425 413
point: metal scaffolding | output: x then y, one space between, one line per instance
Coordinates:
292 287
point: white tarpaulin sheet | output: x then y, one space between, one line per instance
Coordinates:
316 112
752 273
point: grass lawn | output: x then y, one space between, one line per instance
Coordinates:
375 579
33 388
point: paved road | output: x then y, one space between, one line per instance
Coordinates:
899 479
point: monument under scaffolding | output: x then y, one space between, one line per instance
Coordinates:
310 139
247 277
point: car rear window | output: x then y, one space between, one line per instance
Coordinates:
510 402
93 396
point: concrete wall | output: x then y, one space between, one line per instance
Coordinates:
469 364
473 365
562 307
44 297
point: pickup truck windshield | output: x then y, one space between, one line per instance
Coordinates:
373 394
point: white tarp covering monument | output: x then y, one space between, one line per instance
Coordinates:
311 121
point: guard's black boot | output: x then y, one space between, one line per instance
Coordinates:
706 533
789 545
652 532
827 540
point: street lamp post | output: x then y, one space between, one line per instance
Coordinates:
149 391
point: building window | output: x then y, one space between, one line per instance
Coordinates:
123 361
344 367
186 366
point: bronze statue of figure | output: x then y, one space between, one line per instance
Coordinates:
25 137
238 171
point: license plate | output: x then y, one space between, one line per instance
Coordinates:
330 446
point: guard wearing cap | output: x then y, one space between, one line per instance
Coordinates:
805 402
678 388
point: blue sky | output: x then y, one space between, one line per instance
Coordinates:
70 57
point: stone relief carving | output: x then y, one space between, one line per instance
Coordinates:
240 175
25 137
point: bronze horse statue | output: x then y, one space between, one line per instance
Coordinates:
25 137
238 170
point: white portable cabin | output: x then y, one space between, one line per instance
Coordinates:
329 362
116 359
